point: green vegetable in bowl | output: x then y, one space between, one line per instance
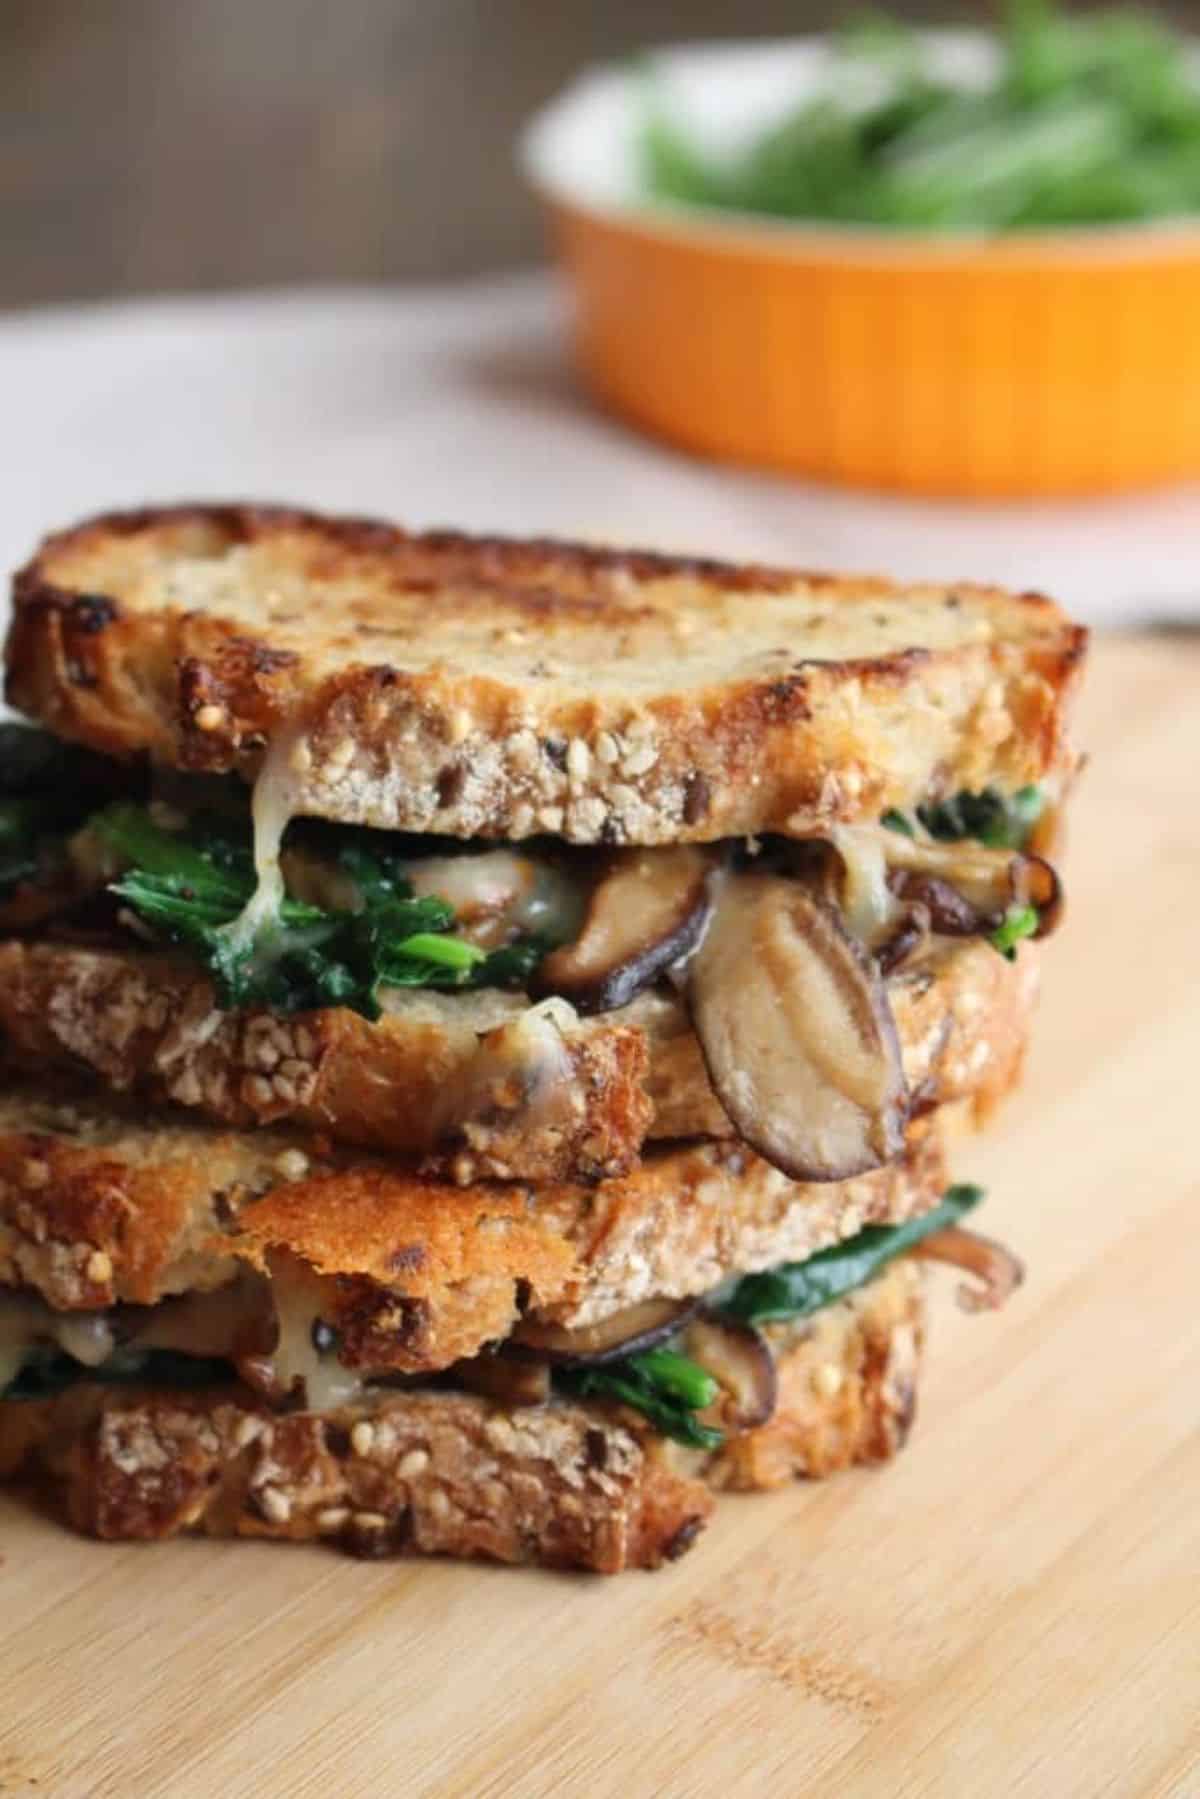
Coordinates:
1087 119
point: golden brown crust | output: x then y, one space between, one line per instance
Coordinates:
426 1473
88 1217
417 1081
415 1275
564 1485
484 687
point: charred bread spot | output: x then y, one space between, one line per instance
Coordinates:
697 798
197 689
85 614
896 668
409 1258
379 1327
544 555
555 751
450 783
337 1440
261 659
595 1445
786 700
90 613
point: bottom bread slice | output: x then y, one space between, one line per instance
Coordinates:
438 1472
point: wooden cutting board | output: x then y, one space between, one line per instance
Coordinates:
1013 1608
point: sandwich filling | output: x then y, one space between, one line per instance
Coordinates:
696 1370
780 948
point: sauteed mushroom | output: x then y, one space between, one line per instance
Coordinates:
996 1270
633 1328
739 1359
796 1031
647 912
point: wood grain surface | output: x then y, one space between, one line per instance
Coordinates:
1013 1608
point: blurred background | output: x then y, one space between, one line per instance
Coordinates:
326 192
182 145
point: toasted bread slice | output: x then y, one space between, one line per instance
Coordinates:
463 1078
847 1388
97 1209
473 1082
441 1473
482 687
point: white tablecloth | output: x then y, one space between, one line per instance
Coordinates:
457 406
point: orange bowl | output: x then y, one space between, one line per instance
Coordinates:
1063 362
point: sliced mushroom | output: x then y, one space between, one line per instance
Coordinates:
909 938
796 1031
949 914
1035 882
624 1333
998 1272
969 884
500 893
647 912
740 1361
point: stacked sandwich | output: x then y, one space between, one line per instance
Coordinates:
482 1020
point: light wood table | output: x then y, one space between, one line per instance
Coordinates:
1011 1609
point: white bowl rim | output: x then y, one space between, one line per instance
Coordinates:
607 89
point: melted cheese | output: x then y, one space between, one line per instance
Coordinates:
27 1324
298 1294
275 800
869 907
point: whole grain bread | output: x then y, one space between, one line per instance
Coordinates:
847 1388
582 1485
487 687
458 1079
98 1209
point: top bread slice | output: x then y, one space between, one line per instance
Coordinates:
484 687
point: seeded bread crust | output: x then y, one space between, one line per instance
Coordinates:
422 1473
847 1388
579 1486
411 1274
450 1078
487 687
